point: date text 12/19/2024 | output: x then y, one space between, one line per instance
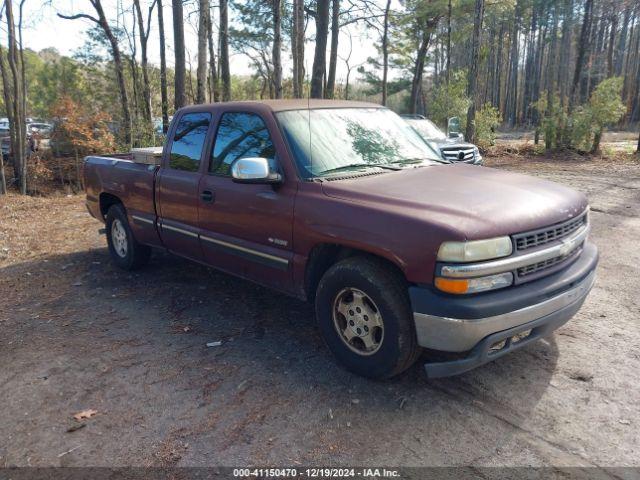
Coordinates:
315 473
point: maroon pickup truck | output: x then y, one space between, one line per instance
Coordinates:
344 205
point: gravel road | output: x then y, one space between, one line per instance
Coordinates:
77 334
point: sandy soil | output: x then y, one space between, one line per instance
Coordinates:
78 334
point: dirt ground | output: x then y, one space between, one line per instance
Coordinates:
77 334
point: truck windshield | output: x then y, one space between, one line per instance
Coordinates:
327 141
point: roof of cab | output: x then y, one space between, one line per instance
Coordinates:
290 104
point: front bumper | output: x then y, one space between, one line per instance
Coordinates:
475 326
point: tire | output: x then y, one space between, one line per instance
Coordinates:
125 251
390 349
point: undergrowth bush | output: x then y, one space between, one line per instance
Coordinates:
582 129
452 101
487 121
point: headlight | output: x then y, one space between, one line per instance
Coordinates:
475 250
474 285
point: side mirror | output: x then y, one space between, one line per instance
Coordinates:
254 170
453 127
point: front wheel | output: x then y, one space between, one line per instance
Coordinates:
365 317
125 251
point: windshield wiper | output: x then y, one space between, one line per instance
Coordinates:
357 165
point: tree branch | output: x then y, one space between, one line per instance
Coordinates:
358 19
79 15
146 34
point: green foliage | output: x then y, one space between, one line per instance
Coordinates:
553 122
605 107
582 130
246 88
605 102
487 120
419 18
445 102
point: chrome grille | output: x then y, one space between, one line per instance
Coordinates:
552 262
453 154
527 240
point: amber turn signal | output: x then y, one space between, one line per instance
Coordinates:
452 285
474 285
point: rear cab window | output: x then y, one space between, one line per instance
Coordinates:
188 141
240 135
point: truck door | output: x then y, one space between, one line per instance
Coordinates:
246 229
177 194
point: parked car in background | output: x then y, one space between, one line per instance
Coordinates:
5 140
42 128
342 204
39 136
157 124
37 140
452 147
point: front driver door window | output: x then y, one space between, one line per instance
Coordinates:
240 135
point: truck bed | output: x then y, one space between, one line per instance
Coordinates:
133 183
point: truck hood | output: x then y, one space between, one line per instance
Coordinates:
477 202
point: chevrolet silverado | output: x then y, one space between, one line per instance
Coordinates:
344 205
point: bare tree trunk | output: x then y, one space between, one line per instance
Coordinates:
132 61
448 44
189 92
180 99
297 47
277 47
135 83
473 70
3 180
551 63
8 95
620 50
23 77
583 48
511 100
201 72
565 50
144 40
333 52
529 64
163 71
212 63
385 53
418 69
117 60
17 115
224 51
497 87
612 41
319 57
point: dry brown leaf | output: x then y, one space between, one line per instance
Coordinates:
85 414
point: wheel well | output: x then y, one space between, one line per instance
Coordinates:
323 256
107 200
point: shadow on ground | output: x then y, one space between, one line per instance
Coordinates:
133 347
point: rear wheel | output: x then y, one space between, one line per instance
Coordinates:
365 317
125 251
